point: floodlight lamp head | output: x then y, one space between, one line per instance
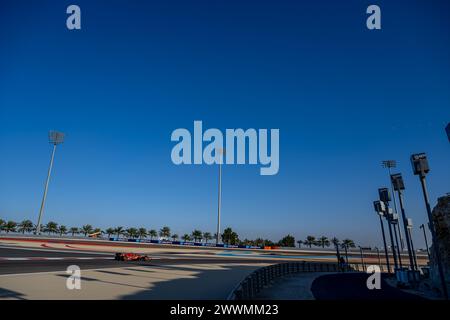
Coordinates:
395 216
379 207
384 195
389 163
419 163
55 137
409 224
397 182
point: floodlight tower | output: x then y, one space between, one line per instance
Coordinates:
393 217
380 209
420 167
399 186
410 227
221 153
55 138
393 164
385 198
422 226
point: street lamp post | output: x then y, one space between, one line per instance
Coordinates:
393 164
54 138
379 258
385 198
420 166
422 226
380 209
399 186
362 257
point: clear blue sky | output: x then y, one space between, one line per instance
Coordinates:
343 97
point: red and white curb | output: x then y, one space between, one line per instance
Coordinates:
62 258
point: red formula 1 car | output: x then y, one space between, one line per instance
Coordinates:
120 256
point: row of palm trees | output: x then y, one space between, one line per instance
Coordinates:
229 236
27 226
325 242
163 233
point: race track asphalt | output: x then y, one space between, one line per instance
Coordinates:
15 260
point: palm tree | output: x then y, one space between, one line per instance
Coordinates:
152 233
230 237
73 230
10 226
310 241
207 236
62 230
132 232
51 227
197 235
109 232
347 243
259 242
86 229
25 226
174 237
142 233
323 242
118 231
186 237
335 241
164 232
2 224
300 242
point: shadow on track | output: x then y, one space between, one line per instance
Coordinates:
8 294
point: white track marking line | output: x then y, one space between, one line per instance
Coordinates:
54 250
53 258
